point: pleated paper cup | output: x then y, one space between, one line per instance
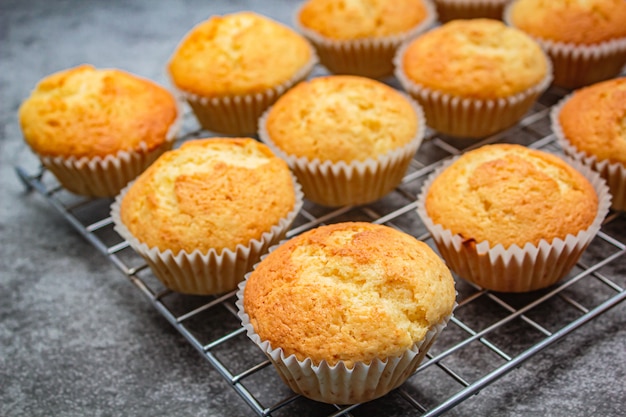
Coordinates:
340 384
515 269
106 176
368 57
470 117
578 65
614 173
239 114
343 183
448 10
101 177
204 273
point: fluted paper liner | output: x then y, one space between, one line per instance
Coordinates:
614 173
350 183
577 65
204 273
106 176
516 269
339 384
239 114
368 57
469 117
469 9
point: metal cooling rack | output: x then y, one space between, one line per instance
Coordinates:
498 332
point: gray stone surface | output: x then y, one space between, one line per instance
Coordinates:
78 339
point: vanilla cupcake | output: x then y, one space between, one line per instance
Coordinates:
97 129
589 124
203 214
473 77
361 37
348 139
448 10
347 312
231 68
585 39
510 218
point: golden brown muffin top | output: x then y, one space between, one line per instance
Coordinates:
475 58
89 112
593 119
341 118
236 54
209 194
360 19
348 292
584 22
511 194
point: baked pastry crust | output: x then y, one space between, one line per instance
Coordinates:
475 58
361 19
593 120
509 194
348 292
89 112
341 118
209 194
237 54
583 22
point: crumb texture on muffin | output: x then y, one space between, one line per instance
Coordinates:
510 194
237 54
209 194
341 118
593 120
348 292
89 112
584 22
361 19
475 58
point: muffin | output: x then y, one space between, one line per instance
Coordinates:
589 124
448 10
510 218
97 129
348 139
361 37
473 77
203 214
231 68
347 312
586 40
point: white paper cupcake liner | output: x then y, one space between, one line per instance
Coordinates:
339 384
106 176
468 117
239 114
580 65
205 273
367 57
469 9
613 173
515 269
350 183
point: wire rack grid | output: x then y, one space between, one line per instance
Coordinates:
490 335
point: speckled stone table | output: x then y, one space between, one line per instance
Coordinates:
78 339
